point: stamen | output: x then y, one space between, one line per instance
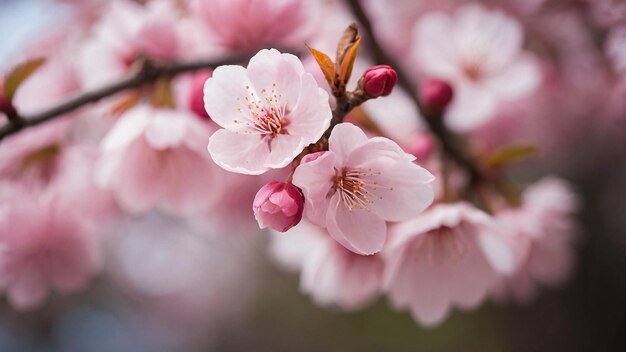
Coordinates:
356 190
263 114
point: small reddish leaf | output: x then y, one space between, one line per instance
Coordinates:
346 41
348 61
19 74
126 103
325 63
509 154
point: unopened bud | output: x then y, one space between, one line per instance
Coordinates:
436 94
378 81
279 206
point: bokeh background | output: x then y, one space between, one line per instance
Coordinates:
250 305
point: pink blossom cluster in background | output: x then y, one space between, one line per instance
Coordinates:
163 191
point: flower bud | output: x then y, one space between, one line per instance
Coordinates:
279 206
436 94
196 94
378 81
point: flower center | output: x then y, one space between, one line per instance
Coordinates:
355 190
473 70
445 245
265 114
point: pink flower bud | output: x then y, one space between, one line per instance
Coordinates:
378 81
421 146
196 94
279 206
436 94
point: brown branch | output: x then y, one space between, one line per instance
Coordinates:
147 73
433 119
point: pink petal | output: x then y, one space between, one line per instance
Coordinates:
472 106
344 139
358 230
434 50
225 96
518 79
128 128
497 251
284 148
315 179
270 69
240 153
311 116
167 129
189 182
137 181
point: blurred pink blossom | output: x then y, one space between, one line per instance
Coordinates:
543 237
329 273
270 111
449 256
249 25
358 185
43 245
126 32
156 158
479 52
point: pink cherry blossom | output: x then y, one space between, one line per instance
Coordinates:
156 158
543 238
279 206
329 273
269 111
449 256
360 183
126 31
43 246
479 52
31 155
249 25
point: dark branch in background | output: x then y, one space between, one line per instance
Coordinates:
147 73
434 120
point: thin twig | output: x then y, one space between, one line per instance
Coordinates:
148 73
432 119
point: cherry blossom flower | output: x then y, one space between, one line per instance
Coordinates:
43 246
358 185
329 273
126 31
479 52
269 111
543 238
449 256
156 158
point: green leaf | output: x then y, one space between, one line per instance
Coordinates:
509 154
19 74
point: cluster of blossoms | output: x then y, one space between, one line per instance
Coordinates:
361 200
